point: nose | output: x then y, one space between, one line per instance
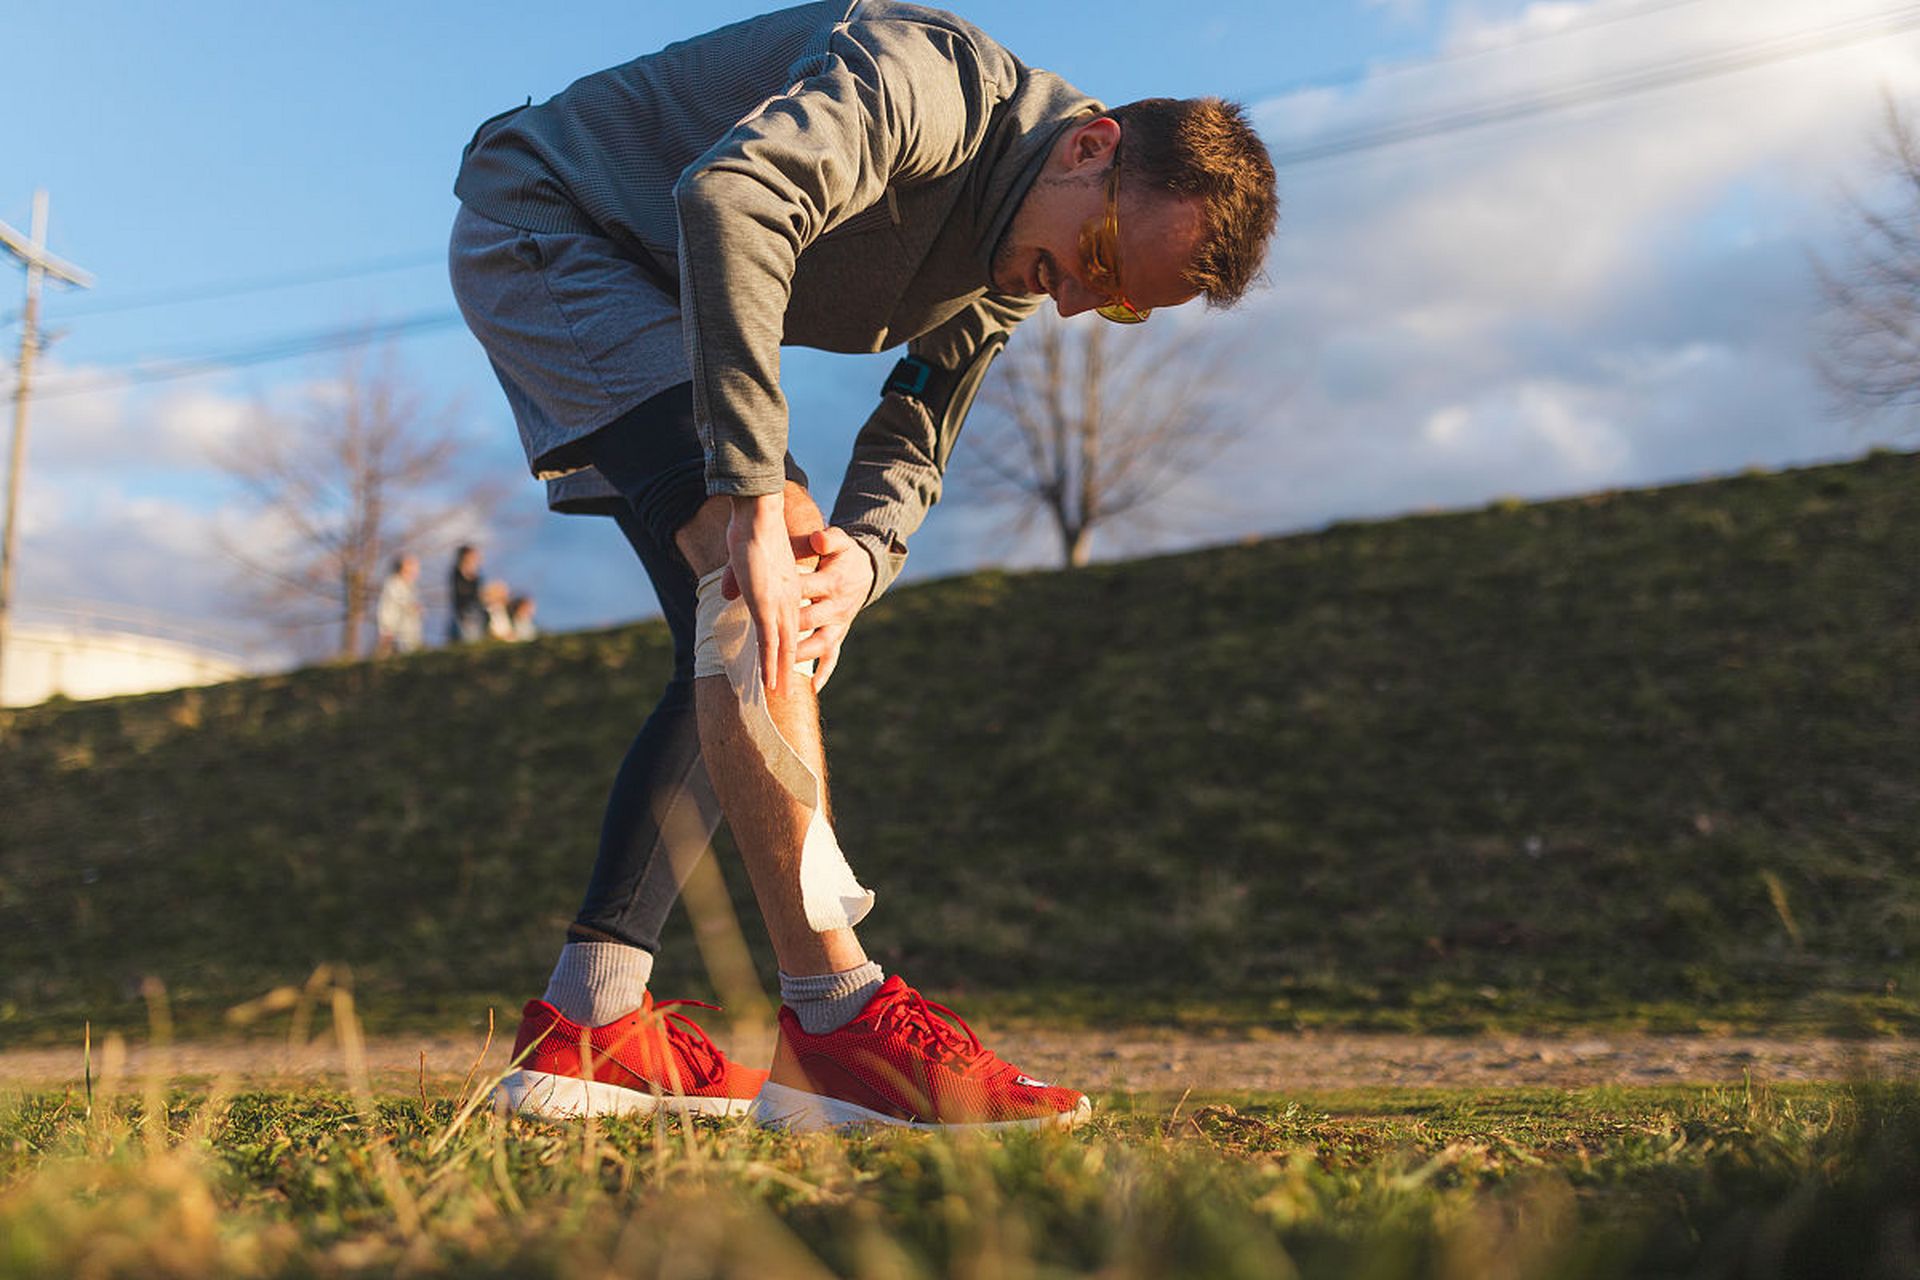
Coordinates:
1072 298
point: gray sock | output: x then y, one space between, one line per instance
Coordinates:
596 982
828 1001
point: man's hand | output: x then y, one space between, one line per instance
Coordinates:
836 587
836 577
761 565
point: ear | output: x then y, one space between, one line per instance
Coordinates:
1090 144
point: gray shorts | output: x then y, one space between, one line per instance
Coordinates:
578 332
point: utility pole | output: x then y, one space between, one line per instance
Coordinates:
32 251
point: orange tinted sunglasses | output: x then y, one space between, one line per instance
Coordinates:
1100 256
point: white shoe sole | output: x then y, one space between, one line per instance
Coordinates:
571 1098
782 1107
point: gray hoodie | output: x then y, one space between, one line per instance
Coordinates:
835 175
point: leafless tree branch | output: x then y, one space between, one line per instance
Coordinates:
1869 356
367 467
1088 424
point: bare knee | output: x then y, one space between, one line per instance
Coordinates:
803 516
703 539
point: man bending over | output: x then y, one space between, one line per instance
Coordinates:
632 254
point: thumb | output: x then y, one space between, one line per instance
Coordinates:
729 585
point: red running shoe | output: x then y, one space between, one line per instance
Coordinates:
653 1057
904 1061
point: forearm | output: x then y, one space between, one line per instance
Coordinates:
735 277
900 457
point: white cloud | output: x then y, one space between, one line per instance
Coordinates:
115 429
1615 294
119 508
106 548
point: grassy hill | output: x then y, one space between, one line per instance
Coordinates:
1642 757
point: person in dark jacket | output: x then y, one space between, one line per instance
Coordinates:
468 622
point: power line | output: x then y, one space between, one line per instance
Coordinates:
318 275
1364 71
1608 88
288 348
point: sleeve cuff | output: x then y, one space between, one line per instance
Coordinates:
755 484
889 556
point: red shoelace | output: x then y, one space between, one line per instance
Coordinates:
936 1025
695 1046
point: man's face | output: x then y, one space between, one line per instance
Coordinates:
1042 249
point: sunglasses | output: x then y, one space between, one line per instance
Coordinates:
1100 256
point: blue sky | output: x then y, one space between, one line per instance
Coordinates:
1609 295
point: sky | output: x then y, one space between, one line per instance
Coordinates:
1587 288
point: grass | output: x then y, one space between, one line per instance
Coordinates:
1635 759
1805 1181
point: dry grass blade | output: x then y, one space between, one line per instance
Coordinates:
479 1057
480 1095
160 1039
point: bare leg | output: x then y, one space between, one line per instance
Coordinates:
768 824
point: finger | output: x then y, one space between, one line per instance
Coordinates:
836 580
823 612
764 610
824 672
789 642
770 664
766 633
823 646
729 585
773 669
773 645
831 540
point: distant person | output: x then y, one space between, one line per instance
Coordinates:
399 623
468 624
498 623
520 614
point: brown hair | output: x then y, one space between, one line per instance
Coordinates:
1203 148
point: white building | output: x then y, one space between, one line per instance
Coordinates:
95 652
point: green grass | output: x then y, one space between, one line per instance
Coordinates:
1638 759
1809 1181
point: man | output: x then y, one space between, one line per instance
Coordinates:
467 621
398 617
632 254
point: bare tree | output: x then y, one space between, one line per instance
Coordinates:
1090 424
366 468
1870 356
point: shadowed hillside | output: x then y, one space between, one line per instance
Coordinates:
1641 757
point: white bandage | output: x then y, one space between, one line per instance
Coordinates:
724 646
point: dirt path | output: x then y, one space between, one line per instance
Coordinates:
1137 1060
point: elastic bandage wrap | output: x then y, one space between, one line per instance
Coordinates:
724 645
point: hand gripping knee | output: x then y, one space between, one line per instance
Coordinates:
723 645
